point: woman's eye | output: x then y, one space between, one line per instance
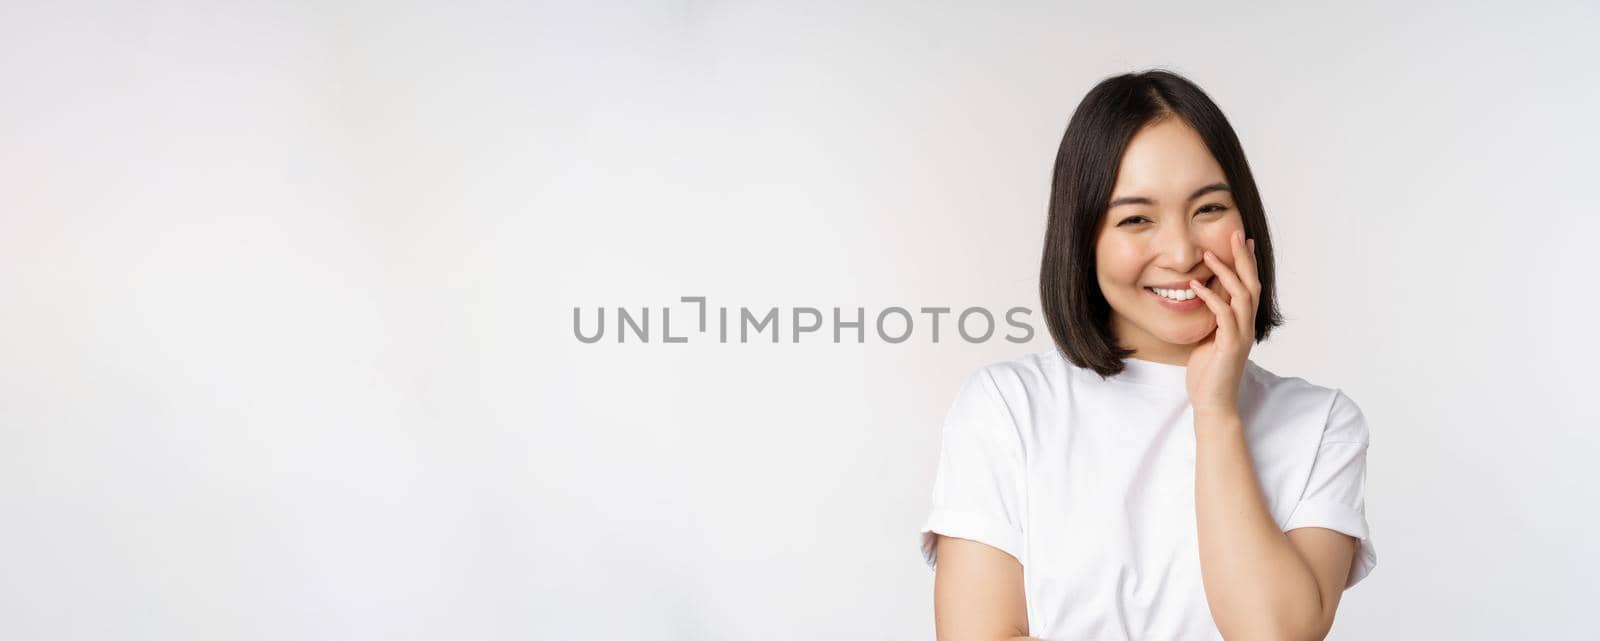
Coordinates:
1208 209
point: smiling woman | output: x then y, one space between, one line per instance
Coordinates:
1145 479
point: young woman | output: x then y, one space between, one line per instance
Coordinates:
1145 479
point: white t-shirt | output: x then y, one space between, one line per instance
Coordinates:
1089 484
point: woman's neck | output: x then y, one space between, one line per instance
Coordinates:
1170 357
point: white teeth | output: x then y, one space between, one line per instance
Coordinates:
1174 294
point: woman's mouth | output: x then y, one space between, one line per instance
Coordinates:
1180 300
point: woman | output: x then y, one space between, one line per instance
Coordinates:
1146 480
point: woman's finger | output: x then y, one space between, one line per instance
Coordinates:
1241 302
1244 261
1225 320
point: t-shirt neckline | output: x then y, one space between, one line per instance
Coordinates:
1164 375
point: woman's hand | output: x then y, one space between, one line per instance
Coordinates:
1217 362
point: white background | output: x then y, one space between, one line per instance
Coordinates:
286 346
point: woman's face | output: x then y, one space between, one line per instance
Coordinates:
1170 204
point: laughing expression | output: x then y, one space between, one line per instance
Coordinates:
1170 204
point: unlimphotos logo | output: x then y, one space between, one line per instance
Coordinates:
891 324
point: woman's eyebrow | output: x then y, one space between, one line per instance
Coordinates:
1141 200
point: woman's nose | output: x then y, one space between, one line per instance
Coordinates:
1180 248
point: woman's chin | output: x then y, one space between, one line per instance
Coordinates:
1189 336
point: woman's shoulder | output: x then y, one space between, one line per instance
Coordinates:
1293 395
1028 373
1026 382
1279 385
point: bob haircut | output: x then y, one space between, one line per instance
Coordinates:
1086 167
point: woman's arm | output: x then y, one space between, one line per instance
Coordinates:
977 593
1260 582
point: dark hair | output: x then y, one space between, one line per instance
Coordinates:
1086 167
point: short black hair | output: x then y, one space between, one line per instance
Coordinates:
1075 310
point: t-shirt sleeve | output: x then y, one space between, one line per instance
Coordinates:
1335 493
977 490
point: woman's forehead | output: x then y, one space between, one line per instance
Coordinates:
1166 161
